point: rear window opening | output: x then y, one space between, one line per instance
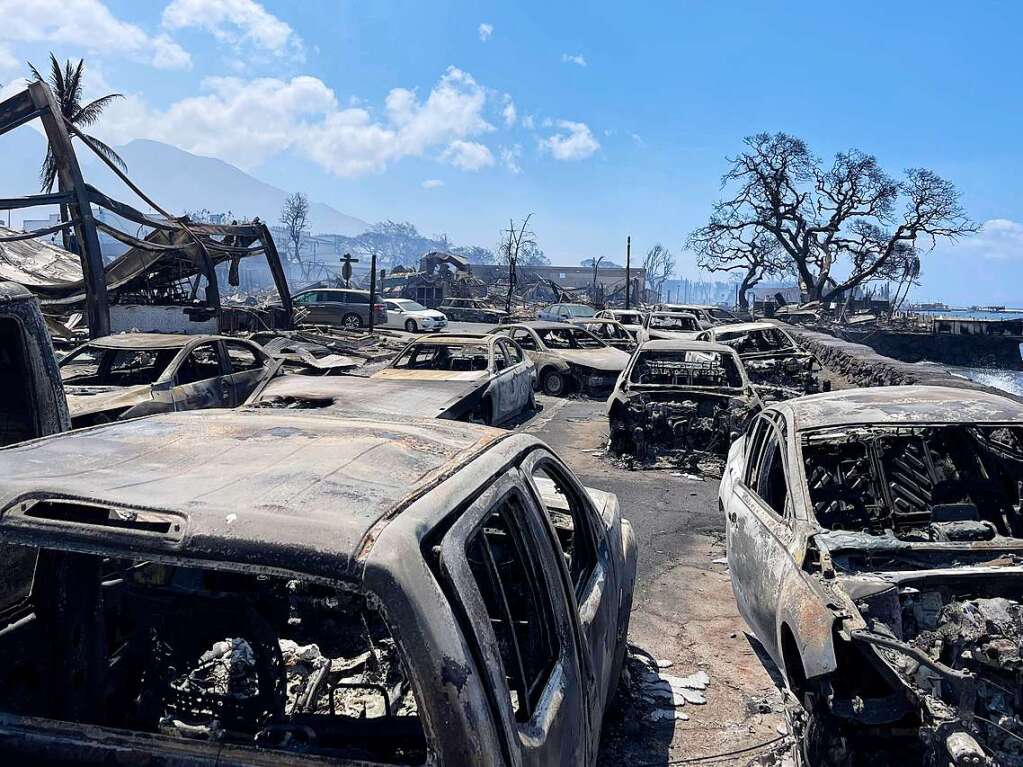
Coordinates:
207 655
449 357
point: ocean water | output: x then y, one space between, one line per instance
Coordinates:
970 314
1006 380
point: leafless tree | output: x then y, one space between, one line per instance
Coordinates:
658 266
849 213
294 217
750 250
517 240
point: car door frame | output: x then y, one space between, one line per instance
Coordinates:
221 389
598 597
501 387
244 382
763 545
565 694
517 377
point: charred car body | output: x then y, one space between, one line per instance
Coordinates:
135 374
874 547
472 310
611 332
567 358
667 326
774 362
680 395
482 377
399 591
706 314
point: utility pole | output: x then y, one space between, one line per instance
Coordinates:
372 289
628 270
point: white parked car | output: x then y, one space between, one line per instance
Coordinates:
413 317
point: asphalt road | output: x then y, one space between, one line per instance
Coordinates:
684 611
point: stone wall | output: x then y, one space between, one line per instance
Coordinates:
862 366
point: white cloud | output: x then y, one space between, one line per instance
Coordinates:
248 121
8 62
468 155
1000 239
574 141
234 22
91 25
432 183
573 58
528 123
510 156
486 30
638 139
509 112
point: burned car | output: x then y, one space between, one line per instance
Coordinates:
328 590
774 362
630 318
135 374
472 310
680 395
678 326
567 358
486 378
611 332
874 546
707 315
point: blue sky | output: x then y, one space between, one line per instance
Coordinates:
623 114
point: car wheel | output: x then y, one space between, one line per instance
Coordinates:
554 383
410 326
351 321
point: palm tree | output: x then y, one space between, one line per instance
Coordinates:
66 85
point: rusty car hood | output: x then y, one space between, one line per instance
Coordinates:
608 359
85 400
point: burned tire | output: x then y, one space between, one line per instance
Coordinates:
554 383
410 326
822 743
351 321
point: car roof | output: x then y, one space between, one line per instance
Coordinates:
592 321
900 405
540 325
151 340
302 491
682 345
742 327
453 339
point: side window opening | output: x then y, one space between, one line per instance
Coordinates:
569 516
756 446
242 357
517 603
771 486
16 393
212 656
524 339
201 364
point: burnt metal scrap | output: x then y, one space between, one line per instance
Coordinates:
685 396
874 539
776 364
166 267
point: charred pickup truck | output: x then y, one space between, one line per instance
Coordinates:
874 547
268 587
680 395
775 363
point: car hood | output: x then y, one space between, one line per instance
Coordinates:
609 359
670 335
85 400
396 374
